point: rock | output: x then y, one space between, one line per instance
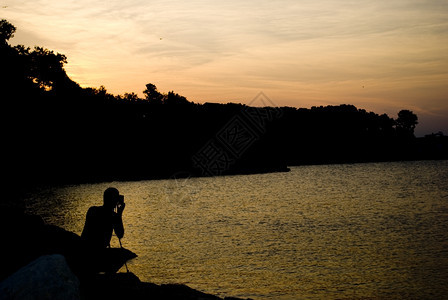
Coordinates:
22 240
121 286
48 277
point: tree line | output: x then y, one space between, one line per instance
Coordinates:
56 130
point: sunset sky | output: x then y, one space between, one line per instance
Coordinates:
380 55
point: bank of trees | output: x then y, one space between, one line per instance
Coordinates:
55 129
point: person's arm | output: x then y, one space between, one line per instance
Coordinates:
118 222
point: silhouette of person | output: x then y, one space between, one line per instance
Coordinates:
102 220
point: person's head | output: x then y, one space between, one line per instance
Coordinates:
110 198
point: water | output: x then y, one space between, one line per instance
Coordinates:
334 231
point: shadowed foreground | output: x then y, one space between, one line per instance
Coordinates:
128 286
30 240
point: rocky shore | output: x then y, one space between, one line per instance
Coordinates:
43 261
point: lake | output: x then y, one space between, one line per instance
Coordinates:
327 231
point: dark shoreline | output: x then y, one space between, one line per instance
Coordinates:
187 174
29 238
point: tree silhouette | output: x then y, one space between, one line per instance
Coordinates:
46 69
75 130
32 72
406 122
152 94
175 99
7 31
131 97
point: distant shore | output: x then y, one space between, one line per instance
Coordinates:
29 182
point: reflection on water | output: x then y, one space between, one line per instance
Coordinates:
336 231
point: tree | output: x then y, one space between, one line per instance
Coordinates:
32 72
175 99
386 125
131 97
47 69
14 81
152 94
7 31
406 122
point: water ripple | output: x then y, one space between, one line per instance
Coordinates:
336 231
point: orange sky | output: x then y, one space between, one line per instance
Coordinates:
382 56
